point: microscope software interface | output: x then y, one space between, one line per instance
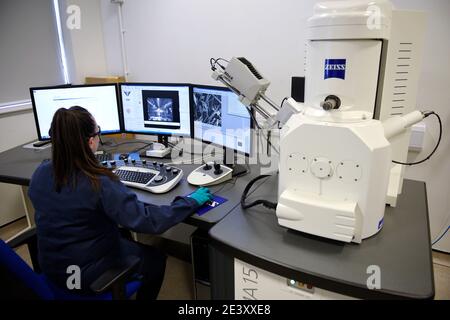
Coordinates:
99 100
156 109
220 118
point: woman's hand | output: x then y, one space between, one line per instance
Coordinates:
202 195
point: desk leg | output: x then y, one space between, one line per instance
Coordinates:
29 210
29 213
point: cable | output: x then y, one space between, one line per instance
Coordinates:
265 203
213 63
285 98
127 142
262 132
437 240
232 182
435 148
221 59
254 119
139 149
181 150
268 141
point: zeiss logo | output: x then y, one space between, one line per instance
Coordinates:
335 68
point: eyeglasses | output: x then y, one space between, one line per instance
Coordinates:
98 133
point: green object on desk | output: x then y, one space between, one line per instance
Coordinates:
202 195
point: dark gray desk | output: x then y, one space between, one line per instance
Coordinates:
18 164
401 249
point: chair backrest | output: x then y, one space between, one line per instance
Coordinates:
15 268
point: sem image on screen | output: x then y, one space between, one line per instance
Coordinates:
208 108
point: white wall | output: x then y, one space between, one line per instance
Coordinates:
85 46
172 41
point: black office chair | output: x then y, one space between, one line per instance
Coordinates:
19 281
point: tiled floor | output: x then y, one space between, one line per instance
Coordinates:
178 281
178 285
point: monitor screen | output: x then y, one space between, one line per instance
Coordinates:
157 109
100 100
220 118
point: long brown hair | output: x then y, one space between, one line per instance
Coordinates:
70 132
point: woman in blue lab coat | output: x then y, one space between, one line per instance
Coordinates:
79 206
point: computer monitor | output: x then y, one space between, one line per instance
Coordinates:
100 100
220 118
156 109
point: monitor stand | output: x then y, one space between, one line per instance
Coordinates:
159 149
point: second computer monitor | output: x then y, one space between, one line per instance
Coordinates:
156 109
220 118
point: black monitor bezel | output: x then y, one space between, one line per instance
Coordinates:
191 118
68 86
221 88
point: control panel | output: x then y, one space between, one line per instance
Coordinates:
155 177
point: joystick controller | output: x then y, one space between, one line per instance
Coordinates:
204 176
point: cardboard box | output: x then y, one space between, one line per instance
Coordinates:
106 79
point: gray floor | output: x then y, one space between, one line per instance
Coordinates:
178 284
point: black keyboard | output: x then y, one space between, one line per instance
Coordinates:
134 176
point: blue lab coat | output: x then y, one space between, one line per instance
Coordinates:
79 226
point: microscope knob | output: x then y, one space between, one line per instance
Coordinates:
155 163
144 161
207 167
158 179
105 163
168 169
175 171
112 162
133 160
217 168
125 160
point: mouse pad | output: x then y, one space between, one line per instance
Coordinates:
214 203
